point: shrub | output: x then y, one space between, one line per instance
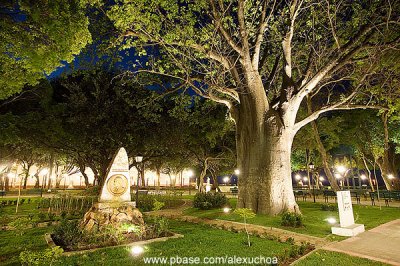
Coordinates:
205 201
292 219
146 202
46 257
328 207
67 233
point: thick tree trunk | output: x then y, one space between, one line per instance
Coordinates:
264 149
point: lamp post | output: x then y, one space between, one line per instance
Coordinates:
138 160
311 166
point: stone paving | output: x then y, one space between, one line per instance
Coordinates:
381 243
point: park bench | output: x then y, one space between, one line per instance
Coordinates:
329 193
2 193
234 190
388 196
356 194
373 196
143 192
301 193
157 192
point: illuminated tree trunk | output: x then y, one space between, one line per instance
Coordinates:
264 151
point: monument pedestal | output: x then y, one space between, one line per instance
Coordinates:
351 230
113 213
347 225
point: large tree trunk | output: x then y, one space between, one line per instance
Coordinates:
264 149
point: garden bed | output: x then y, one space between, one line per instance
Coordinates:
128 242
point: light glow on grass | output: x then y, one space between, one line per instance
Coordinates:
137 250
331 220
227 210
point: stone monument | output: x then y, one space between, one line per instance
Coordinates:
208 185
115 206
347 225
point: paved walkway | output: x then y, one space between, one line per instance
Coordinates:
381 243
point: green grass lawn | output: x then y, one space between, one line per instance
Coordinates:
11 244
313 217
329 258
198 241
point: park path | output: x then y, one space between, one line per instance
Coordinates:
381 243
261 231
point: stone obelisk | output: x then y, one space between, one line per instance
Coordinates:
115 206
117 184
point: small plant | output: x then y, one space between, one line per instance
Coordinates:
246 214
206 201
292 219
290 240
157 205
46 257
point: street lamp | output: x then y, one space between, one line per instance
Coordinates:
237 172
311 166
341 169
226 180
138 160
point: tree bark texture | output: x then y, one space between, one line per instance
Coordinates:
264 150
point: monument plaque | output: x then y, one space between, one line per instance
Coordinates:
346 217
117 182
